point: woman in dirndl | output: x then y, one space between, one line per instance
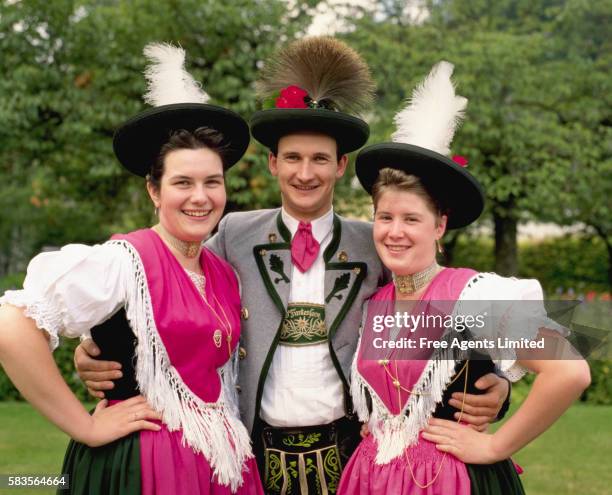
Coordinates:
154 300
417 442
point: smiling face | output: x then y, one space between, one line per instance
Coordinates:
191 194
307 168
405 231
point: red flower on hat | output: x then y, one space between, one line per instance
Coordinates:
292 97
462 161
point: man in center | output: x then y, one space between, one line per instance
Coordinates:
313 269
305 273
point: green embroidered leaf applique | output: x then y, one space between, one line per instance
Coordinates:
341 283
301 440
277 266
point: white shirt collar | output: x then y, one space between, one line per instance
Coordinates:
321 227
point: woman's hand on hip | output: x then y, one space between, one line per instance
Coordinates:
466 444
109 423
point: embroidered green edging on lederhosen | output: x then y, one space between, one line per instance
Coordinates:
301 463
304 324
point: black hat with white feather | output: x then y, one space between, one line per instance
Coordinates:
421 146
178 103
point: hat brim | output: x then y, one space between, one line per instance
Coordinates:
138 141
450 184
268 126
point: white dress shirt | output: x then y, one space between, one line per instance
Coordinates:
303 387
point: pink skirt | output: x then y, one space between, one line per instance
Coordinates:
362 476
167 467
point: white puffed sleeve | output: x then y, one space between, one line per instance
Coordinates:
67 292
513 308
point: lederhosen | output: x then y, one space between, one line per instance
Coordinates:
305 460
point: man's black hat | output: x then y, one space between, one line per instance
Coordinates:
315 84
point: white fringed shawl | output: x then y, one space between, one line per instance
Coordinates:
396 432
214 429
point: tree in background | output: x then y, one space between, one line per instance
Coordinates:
72 72
537 74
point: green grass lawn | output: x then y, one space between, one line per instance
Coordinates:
29 444
574 457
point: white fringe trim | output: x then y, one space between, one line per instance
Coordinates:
212 428
394 433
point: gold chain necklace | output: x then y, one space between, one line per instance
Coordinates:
186 248
398 385
409 284
227 326
427 275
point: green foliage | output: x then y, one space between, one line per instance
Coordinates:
12 281
536 73
72 72
600 391
575 263
63 358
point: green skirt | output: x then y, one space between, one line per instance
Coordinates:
112 469
500 478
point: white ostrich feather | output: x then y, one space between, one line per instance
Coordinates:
433 113
167 80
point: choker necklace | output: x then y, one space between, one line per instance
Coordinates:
186 248
409 284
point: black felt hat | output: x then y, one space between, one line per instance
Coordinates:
178 103
430 119
452 186
138 141
315 84
350 133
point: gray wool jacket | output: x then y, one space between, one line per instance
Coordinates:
257 245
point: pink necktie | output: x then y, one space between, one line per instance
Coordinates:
304 247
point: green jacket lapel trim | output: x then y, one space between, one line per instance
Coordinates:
273 271
282 228
335 241
341 283
279 271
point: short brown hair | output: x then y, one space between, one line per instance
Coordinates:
202 137
398 180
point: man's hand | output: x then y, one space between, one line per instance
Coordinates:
480 410
365 431
96 375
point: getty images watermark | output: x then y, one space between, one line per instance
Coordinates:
487 329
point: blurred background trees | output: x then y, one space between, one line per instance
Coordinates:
72 72
537 133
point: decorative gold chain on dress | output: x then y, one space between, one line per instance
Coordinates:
225 323
398 385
